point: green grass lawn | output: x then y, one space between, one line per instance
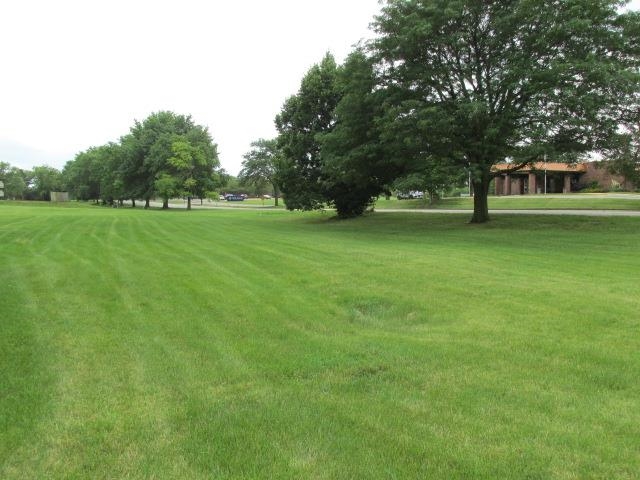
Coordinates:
517 202
249 344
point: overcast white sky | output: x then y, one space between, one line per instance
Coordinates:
77 73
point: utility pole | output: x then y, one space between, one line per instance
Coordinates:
545 173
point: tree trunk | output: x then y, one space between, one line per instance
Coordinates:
165 204
480 200
146 203
188 203
276 194
133 203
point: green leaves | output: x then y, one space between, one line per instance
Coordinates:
477 83
15 181
262 166
192 171
302 119
329 140
166 186
355 169
45 180
165 145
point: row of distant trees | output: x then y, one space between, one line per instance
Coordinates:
33 184
39 182
447 90
165 156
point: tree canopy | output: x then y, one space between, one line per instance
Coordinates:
152 142
165 155
303 117
329 139
262 165
15 181
45 180
451 88
356 166
472 84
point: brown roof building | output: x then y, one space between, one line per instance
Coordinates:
554 177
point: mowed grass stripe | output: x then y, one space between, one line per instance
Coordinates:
25 377
261 345
597 201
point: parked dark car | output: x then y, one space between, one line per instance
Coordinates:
232 197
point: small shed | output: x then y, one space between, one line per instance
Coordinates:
59 196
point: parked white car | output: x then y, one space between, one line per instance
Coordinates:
410 195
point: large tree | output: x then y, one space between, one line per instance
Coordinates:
149 146
82 175
136 183
302 119
109 162
45 180
261 166
193 162
474 83
355 164
15 183
14 179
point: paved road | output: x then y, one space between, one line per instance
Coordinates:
205 205
584 213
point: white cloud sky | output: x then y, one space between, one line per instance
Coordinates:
76 73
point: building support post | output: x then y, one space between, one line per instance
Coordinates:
532 183
507 184
567 183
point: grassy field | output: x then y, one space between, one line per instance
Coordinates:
520 202
270 344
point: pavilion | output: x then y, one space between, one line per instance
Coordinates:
539 177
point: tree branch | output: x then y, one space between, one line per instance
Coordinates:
515 168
